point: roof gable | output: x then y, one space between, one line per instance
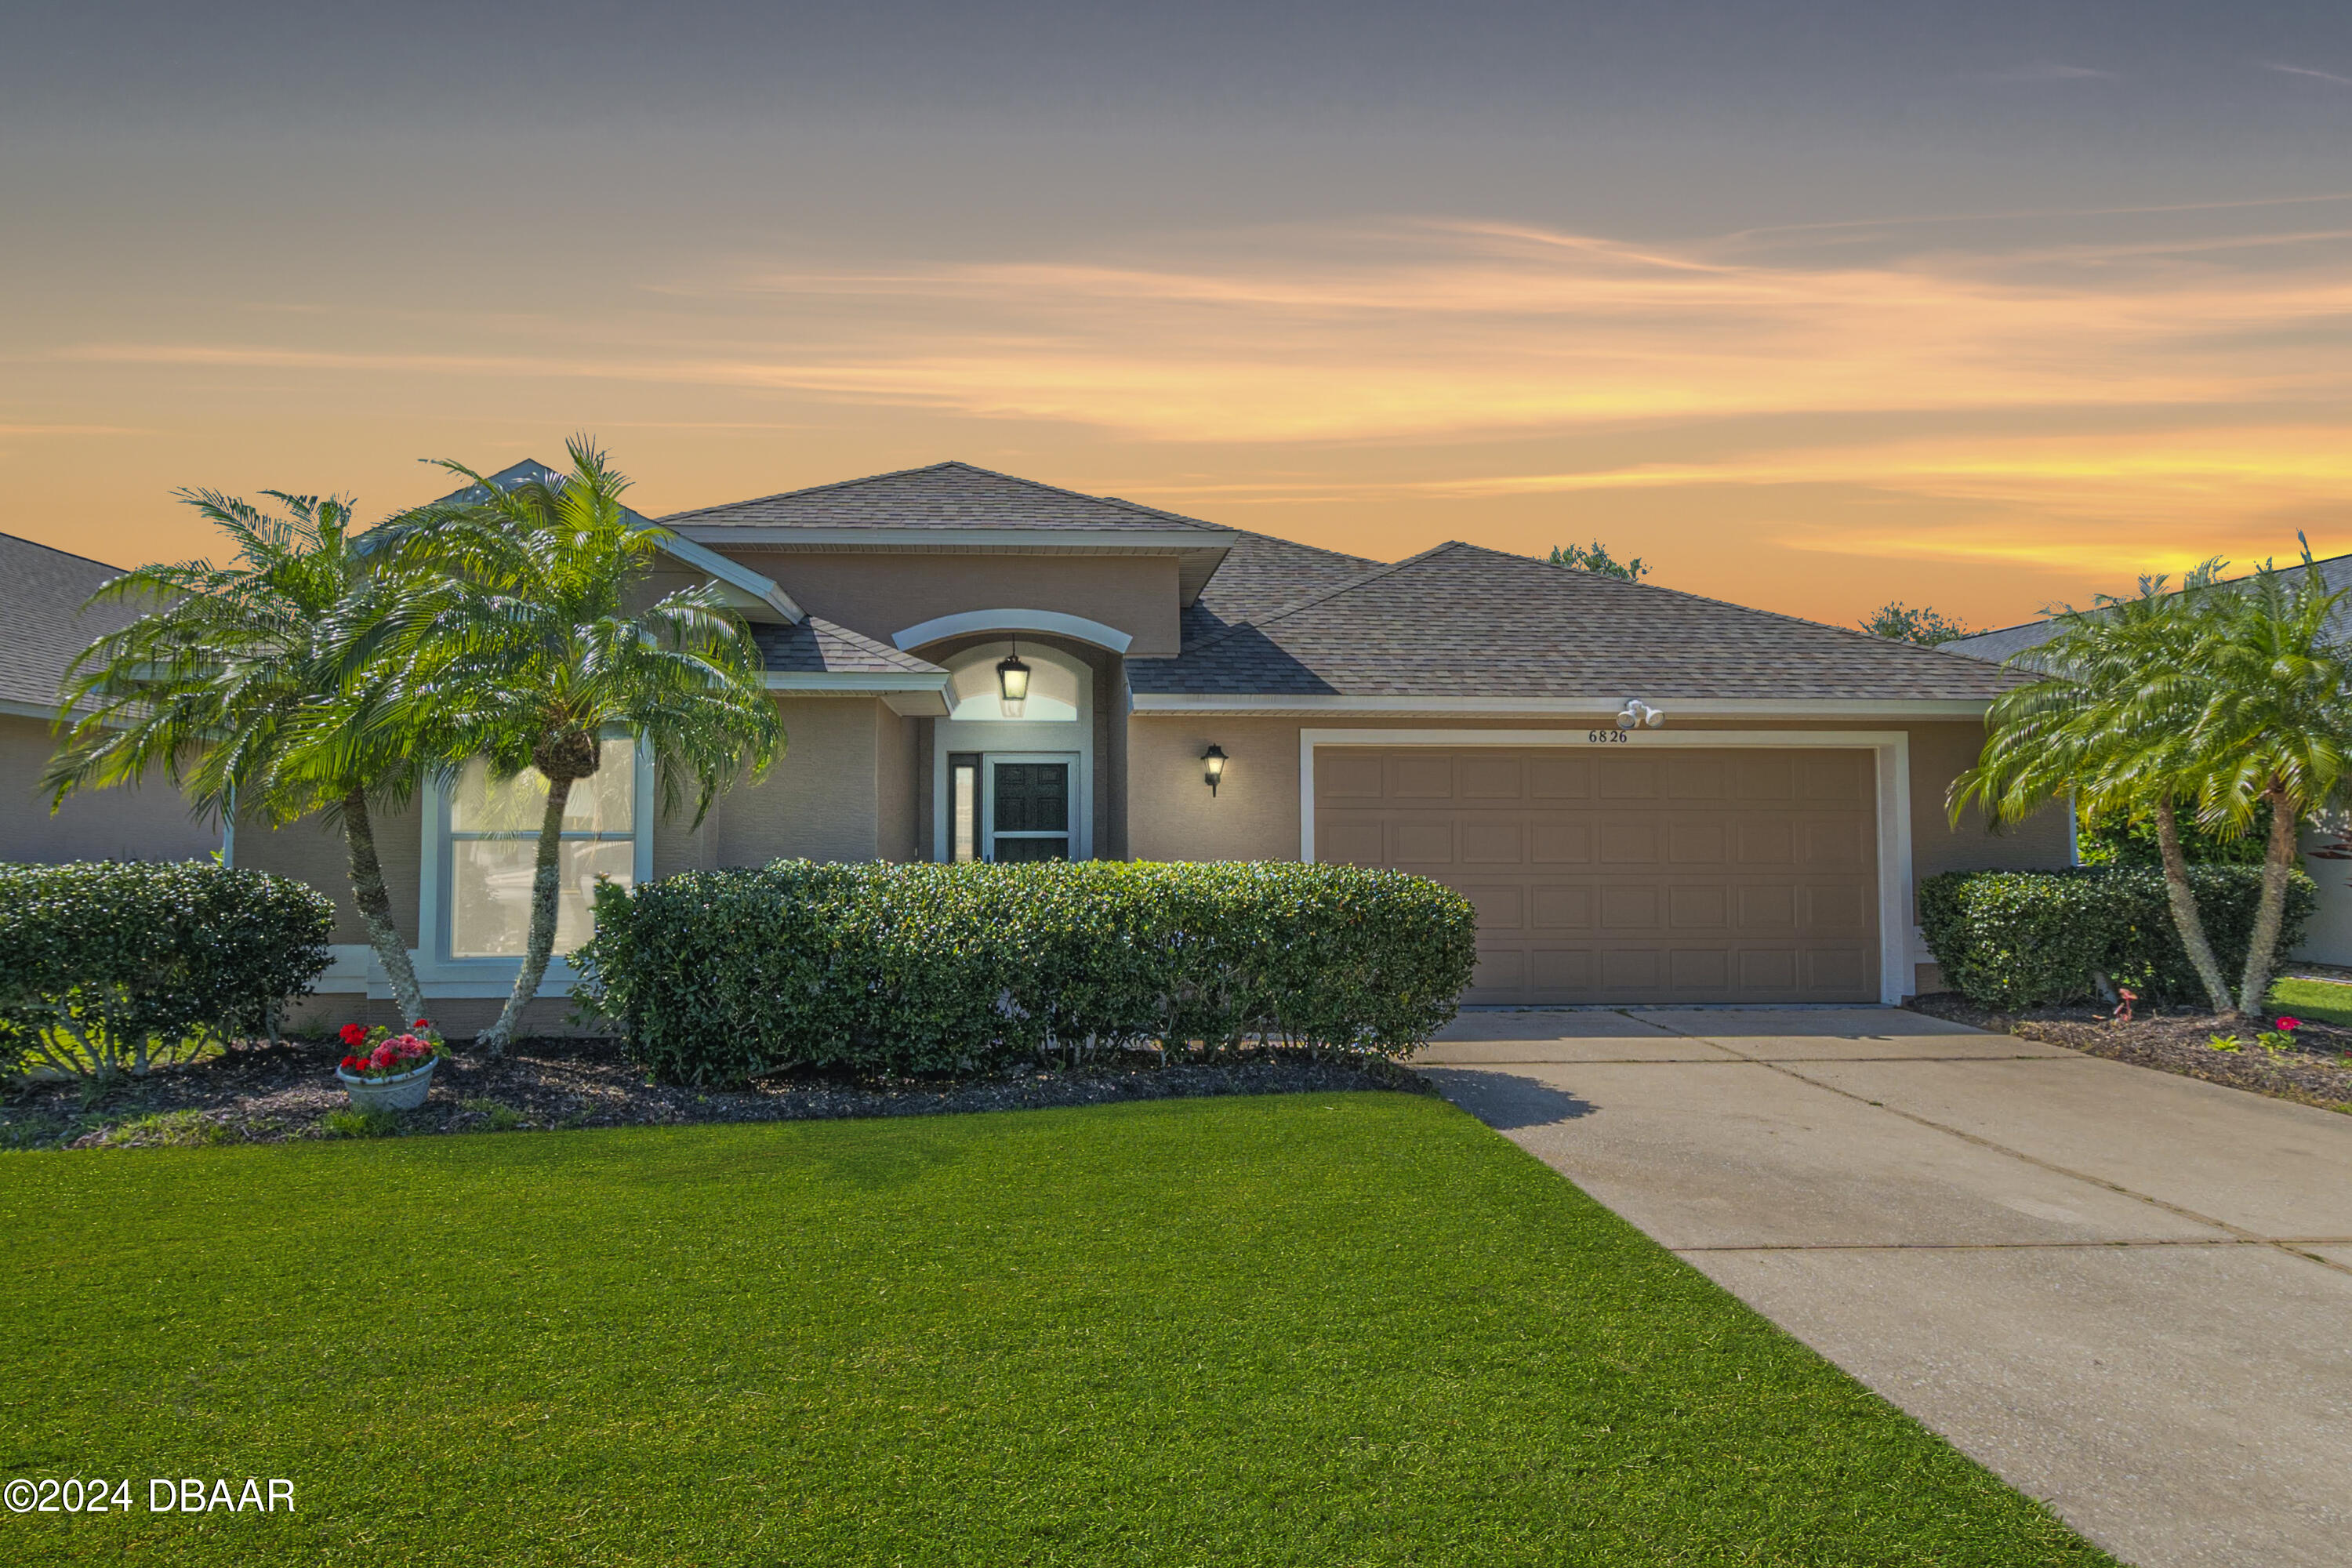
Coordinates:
1463 622
949 495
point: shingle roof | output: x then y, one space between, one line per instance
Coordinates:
1262 574
944 495
816 647
41 593
2005 642
1462 621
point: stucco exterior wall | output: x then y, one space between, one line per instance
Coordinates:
151 822
882 594
458 1017
821 800
311 852
897 755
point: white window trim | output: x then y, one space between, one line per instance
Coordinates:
1891 751
443 976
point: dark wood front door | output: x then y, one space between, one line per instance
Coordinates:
1029 816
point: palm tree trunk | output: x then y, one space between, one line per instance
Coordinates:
375 907
2185 918
2278 865
545 877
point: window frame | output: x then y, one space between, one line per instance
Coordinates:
454 976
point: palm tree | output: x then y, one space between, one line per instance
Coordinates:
2276 729
529 654
2111 720
227 685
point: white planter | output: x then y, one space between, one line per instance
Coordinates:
405 1092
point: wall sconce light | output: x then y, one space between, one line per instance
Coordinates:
1012 676
1213 767
1638 714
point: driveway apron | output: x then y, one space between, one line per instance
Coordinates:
2129 1294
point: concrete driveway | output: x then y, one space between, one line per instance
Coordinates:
2128 1294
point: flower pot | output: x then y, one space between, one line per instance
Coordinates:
405 1092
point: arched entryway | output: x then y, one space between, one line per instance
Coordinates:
1014 780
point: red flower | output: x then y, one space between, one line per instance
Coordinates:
422 1024
2290 1023
354 1034
353 1064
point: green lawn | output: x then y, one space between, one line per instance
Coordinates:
1335 1329
2321 1001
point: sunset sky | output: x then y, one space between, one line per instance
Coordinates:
1812 305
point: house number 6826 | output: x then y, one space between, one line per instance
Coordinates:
1608 737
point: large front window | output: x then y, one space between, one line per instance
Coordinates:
494 843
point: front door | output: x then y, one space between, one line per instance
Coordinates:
1028 810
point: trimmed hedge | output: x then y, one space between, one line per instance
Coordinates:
716 976
121 961
2025 939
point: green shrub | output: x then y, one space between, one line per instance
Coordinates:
351 1123
168 1130
496 1117
2024 939
718 975
106 965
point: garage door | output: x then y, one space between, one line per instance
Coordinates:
1626 873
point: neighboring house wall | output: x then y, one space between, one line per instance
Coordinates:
1255 812
879 595
2329 938
151 823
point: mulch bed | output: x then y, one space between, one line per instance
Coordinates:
286 1093
2317 1071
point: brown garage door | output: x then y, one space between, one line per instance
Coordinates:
1630 874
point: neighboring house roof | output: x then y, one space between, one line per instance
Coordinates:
42 592
1464 623
945 495
2004 643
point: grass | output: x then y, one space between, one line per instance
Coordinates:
2321 1001
1322 1329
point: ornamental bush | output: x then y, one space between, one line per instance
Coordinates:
715 976
109 965
2025 939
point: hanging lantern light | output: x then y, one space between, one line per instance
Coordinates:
1012 677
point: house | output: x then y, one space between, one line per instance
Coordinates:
2327 843
1456 714
42 595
